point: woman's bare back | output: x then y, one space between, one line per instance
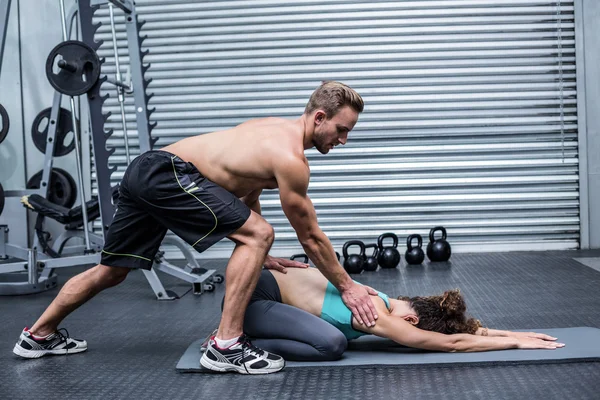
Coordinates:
303 288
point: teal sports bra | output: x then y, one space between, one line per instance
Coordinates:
337 314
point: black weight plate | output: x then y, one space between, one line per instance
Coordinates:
64 127
62 189
84 62
1 198
4 123
65 187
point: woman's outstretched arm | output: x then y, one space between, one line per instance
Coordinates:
402 332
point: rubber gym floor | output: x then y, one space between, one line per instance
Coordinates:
135 341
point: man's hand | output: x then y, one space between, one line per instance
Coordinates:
280 264
357 299
371 291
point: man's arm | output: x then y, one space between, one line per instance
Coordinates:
292 179
292 176
252 200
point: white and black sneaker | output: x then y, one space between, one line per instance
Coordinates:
241 357
53 344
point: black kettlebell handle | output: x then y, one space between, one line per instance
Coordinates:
304 256
410 239
434 230
385 236
353 243
375 251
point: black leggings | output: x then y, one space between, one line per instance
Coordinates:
290 332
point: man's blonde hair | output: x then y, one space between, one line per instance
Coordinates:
331 97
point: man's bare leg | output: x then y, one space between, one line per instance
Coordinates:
76 292
227 352
253 241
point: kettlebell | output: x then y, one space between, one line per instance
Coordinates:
303 256
414 255
370 263
388 257
338 255
353 263
438 250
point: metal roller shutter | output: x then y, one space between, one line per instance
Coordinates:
466 123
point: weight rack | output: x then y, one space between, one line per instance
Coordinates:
38 265
201 279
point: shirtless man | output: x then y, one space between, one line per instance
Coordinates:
207 187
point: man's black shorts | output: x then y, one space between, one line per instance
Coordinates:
161 192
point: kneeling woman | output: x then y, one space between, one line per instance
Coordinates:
300 316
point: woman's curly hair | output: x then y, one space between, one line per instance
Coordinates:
443 314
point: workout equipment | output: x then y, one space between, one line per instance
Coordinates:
78 61
438 249
62 189
370 263
388 257
35 273
39 266
71 218
64 126
78 67
4 123
1 198
119 85
353 263
414 254
302 255
39 277
201 279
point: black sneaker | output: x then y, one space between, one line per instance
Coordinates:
55 343
241 357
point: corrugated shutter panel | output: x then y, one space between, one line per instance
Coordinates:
462 124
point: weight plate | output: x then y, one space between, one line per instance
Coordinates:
62 189
1 199
64 127
4 123
80 68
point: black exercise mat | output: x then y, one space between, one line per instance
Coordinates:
581 344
